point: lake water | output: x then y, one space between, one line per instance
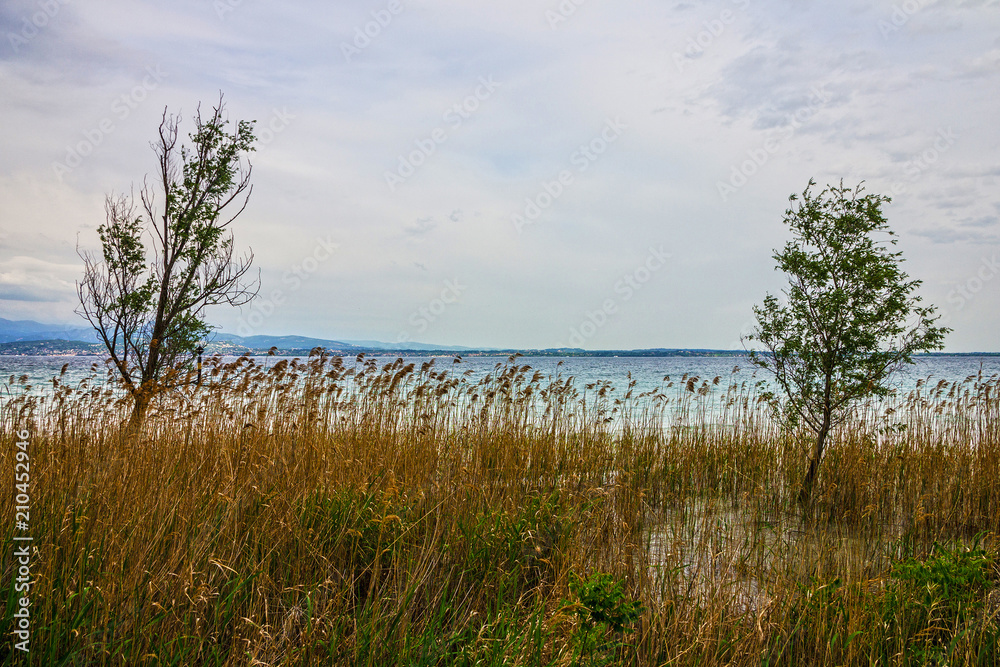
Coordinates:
648 372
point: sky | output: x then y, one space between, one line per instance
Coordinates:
518 174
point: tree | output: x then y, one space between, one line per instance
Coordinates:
851 318
148 307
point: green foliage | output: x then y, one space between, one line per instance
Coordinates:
357 533
929 604
845 325
511 554
603 602
819 616
601 607
851 317
147 303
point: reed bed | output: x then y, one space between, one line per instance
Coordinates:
331 511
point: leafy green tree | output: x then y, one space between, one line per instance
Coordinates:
148 304
851 319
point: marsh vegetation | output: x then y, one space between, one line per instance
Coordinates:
324 511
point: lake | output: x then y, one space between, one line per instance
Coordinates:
648 372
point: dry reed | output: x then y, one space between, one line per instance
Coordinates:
324 511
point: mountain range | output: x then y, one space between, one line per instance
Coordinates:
22 331
29 330
304 342
27 337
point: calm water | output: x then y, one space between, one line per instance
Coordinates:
648 372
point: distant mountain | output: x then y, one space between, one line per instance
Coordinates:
52 346
378 345
305 343
280 342
29 330
36 338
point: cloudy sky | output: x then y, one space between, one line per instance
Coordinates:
517 173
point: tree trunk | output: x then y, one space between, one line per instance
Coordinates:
144 393
805 493
141 397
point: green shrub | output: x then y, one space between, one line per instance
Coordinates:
930 604
602 608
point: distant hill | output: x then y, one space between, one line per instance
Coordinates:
34 338
29 330
281 342
32 334
305 343
38 348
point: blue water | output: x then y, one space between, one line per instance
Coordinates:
648 372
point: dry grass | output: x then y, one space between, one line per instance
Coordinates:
318 512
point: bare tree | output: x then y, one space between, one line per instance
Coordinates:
148 306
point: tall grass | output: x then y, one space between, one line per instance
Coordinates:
332 512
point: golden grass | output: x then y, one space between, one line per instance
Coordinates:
323 512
